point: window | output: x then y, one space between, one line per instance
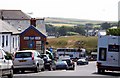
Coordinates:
102 54
23 55
16 41
13 42
3 41
7 40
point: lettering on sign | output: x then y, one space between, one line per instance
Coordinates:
32 38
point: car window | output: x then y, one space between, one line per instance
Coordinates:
35 54
44 56
68 61
38 53
23 55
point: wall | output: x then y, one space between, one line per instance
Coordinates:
9 47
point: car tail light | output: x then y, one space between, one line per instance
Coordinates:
32 56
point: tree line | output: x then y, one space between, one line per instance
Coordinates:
64 30
75 30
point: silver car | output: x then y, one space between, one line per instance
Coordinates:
28 60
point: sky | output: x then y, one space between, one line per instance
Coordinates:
104 10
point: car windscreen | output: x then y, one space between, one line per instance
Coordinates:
23 55
67 60
44 56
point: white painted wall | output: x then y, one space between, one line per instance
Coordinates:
9 47
15 43
22 24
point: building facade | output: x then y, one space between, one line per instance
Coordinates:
22 22
9 37
32 38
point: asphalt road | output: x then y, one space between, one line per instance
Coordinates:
81 70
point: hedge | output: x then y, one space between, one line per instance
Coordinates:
115 32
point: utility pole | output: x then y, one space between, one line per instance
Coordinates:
119 14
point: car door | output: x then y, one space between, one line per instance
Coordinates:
1 58
4 63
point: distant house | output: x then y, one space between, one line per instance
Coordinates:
9 37
92 32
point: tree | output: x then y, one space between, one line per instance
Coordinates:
62 30
79 30
105 25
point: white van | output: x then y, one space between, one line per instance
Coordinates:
6 65
108 57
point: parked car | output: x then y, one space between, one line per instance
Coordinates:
70 64
82 61
6 65
47 61
28 60
61 65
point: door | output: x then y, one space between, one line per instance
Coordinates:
113 55
4 62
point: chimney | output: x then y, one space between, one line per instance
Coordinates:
33 22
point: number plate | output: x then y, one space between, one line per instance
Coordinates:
22 60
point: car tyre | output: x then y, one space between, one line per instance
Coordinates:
11 74
73 68
43 69
50 68
99 71
37 69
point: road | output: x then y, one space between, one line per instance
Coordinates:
82 70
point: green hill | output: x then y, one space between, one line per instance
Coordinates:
90 43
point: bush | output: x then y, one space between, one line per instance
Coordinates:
115 32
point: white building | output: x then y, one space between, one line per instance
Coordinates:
9 37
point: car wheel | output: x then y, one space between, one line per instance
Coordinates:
37 69
50 68
11 74
99 71
43 69
54 69
73 68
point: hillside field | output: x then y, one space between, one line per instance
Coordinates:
89 43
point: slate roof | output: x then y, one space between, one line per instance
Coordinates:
5 27
13 15
34 28
19 15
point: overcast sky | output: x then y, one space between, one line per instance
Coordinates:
106 10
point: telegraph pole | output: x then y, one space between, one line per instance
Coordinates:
119 14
